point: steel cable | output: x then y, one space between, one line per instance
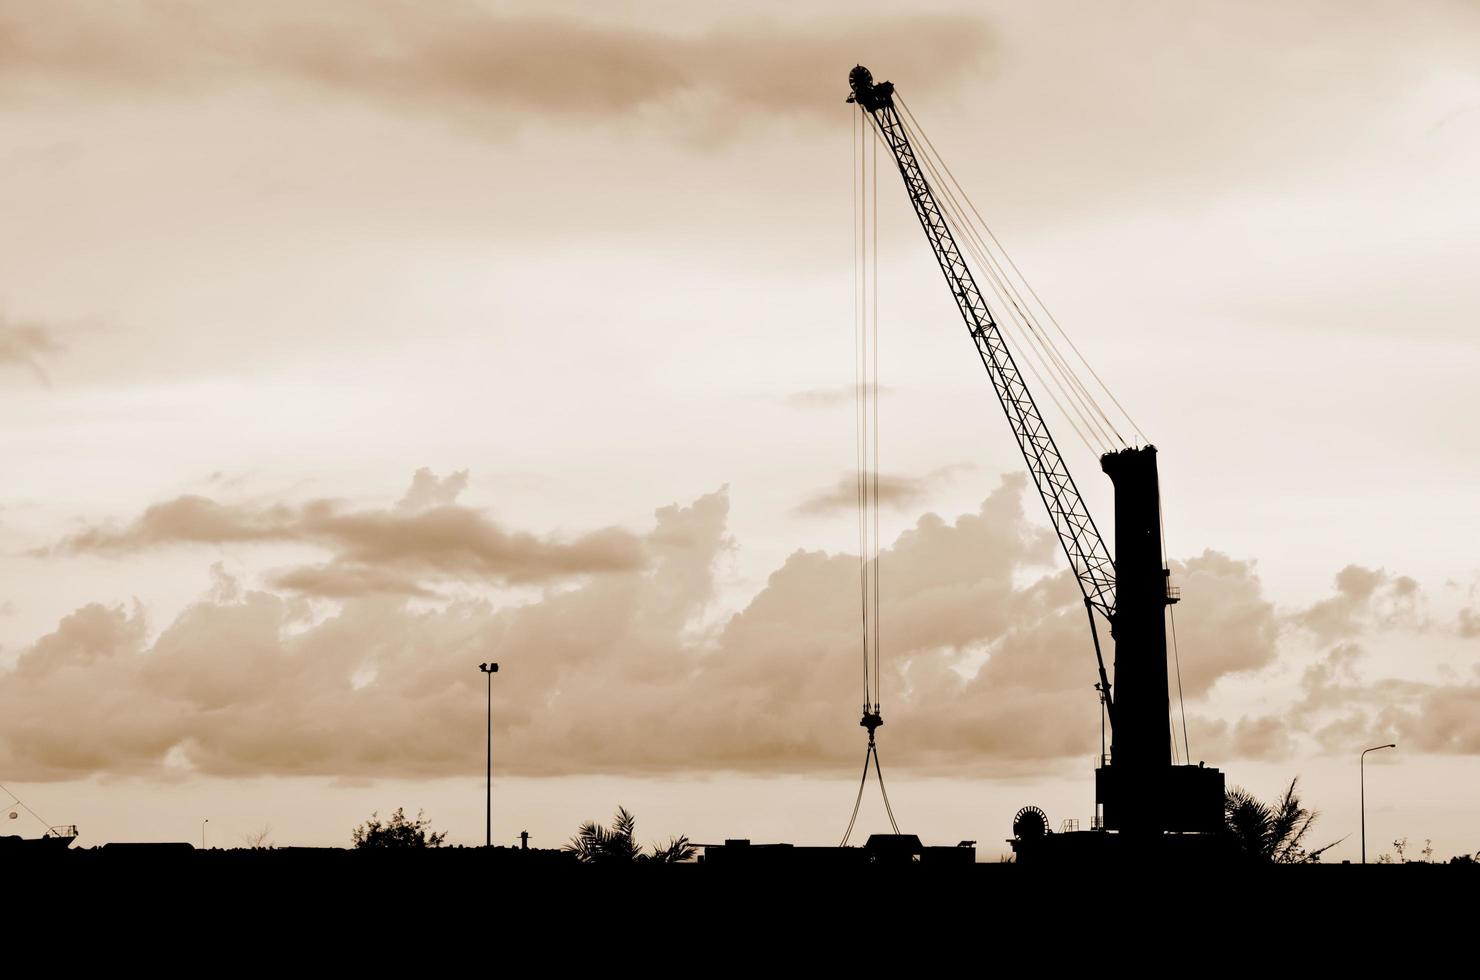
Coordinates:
1056 377
1029 286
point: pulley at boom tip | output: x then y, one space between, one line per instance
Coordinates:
866 93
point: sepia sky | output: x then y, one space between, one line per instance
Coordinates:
344 345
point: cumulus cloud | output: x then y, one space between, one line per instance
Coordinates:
1342 701
1343 708
344 581
1344 714
987 663
427 491
988 667
1227 625
466 59
1443 718
1264 737
389 550
1364 596
892 490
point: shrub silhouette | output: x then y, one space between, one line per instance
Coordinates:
397 833
259 840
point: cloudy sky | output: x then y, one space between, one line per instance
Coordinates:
346 345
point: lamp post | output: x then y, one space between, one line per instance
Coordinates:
490 670
203 832
1362 776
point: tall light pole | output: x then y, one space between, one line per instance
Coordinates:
490 670
203 832
1362 775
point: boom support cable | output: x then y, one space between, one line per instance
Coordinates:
1090 559
987 229
1063 376
1038 361
1032 340
1177 658
1176 654
1041 360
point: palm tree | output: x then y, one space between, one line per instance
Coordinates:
595 844
1271 833
676 851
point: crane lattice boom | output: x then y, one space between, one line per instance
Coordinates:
1088 556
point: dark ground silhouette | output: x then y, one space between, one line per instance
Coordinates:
430 909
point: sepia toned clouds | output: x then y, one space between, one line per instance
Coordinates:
1362 595
1347 699
1441 718
1228 624
892 490
1218 742
619 668
462 59
987 664
1195 126
428 490
425 534
345 581
1190 193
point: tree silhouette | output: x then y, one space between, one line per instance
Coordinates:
1273 833
397 833
595 844
259 840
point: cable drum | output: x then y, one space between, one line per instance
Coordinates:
1030 823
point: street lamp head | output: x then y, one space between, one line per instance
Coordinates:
488 668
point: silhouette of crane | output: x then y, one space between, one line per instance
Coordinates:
1140 792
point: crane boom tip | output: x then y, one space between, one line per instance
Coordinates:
866 92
